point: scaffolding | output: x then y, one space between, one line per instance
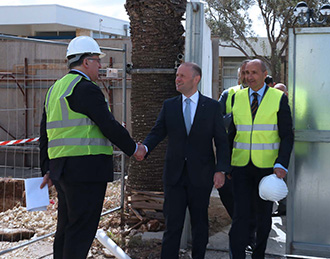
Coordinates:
28 67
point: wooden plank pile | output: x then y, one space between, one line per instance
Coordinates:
144 207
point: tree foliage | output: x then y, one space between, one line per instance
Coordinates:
231 21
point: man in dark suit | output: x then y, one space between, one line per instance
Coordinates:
75 149
261 136
192 127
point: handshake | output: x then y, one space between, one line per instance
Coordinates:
140 152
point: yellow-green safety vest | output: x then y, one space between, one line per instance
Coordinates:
257 140
231 92
70 133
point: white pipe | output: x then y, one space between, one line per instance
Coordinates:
109 244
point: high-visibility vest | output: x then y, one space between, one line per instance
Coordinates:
257 140
70 133
231 92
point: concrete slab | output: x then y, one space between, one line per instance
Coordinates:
218 246
152 235
275 246
220 240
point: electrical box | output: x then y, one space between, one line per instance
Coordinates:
112 73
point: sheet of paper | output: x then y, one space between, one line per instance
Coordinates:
36 199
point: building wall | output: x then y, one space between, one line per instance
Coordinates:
28 20
228 67
27 70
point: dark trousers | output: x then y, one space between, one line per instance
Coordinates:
227 197
245 185
79 209
177 199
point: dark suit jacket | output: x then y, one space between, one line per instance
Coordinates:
88 99
285 130
195 150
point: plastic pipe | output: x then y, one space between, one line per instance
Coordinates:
110 245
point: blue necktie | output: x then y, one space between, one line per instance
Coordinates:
187 115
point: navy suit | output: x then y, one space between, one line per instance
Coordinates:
189 168
245 184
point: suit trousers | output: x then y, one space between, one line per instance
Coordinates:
246 195
177 198
227 197
79 209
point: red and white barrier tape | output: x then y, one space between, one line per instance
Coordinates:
17 141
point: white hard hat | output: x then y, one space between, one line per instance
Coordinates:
272 188
83 45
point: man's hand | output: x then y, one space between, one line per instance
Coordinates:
280 173
140 152
45 181
219 180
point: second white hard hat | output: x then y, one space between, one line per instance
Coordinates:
272 188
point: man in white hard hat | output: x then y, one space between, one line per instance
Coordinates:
76 135
262 138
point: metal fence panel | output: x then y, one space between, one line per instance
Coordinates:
309 178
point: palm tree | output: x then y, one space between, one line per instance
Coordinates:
156 35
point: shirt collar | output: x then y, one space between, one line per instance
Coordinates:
194 98
81 73
260 92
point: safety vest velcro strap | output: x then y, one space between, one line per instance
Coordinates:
256 146
270 127
79 142
69 123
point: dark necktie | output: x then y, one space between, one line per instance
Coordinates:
187 115
254 105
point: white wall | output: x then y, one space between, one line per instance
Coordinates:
57 17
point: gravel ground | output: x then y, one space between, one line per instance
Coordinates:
44 222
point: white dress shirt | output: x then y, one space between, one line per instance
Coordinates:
193 105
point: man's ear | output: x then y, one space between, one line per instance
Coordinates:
85 62
197 79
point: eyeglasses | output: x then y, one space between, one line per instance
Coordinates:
96 59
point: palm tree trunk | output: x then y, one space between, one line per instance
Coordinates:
156 35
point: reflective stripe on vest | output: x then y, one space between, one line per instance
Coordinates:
78 142
257 127
255 146
257 141
63 124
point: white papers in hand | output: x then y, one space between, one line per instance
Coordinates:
36 198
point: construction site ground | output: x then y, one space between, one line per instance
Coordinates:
137 243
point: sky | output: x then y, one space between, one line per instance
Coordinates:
111 8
